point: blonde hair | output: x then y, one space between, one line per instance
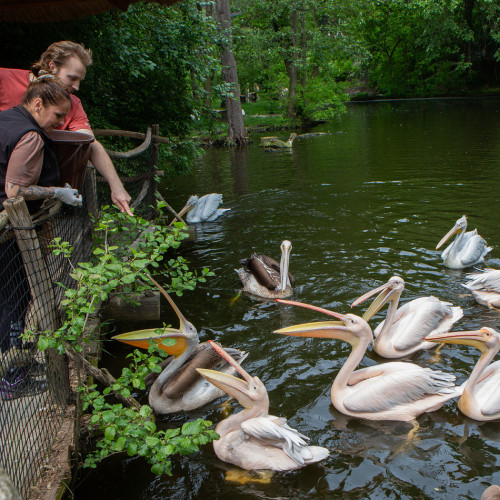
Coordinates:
59 53
49 89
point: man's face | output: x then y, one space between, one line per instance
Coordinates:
71 73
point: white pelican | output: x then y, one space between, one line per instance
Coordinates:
491 493
467 249
403 330
252 439
204 209
389 391
485 287
179 387
263 276
481 392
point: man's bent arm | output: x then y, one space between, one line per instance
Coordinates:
102 162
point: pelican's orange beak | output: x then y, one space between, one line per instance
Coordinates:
141 338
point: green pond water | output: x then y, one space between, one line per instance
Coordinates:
368 200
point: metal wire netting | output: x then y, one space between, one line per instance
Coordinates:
34 385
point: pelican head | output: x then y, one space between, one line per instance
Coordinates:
460 226
390 291
350 328
190 204
186 336
249 391
286 249
485 339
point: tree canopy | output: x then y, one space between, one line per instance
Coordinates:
152 64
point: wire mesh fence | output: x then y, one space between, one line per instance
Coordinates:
34 385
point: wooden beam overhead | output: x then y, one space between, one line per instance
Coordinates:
43 11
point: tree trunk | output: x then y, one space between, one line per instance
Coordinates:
236 127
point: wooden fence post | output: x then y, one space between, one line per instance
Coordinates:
36 269
155 129
91 191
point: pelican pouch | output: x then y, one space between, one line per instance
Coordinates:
72 150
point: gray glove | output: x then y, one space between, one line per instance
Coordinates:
68 195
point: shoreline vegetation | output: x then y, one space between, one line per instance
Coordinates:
265 116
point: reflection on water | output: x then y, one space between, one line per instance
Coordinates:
367 201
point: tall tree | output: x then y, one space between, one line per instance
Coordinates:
236 127
287 48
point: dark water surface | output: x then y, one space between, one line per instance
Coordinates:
367 201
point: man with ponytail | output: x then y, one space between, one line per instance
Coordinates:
68 61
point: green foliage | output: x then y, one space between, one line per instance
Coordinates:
132 430
150 65
271 48
119 266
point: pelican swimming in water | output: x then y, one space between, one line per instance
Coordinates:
485 287
252 439
179 387
389 391
466 250
204 209
263 276
403 330
481 392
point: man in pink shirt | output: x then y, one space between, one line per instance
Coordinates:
68 61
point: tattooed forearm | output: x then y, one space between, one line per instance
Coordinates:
29 192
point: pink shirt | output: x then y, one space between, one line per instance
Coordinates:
13 84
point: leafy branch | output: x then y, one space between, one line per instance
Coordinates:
125 250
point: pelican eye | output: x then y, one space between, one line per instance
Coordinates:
486 332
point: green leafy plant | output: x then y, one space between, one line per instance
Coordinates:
133 430
121 264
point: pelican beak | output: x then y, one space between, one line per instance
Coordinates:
235 387
186 208
286 248
474 338
385 295
455 229
321 329
140 338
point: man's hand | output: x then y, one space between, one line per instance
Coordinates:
122 199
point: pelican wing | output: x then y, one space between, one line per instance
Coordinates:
488 280
487 392
205 208
217 214
420 317
492 404
397 384
473 250
204 357
265 275
274 431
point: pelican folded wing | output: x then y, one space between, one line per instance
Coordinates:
401 385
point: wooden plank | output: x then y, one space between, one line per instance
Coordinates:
148 308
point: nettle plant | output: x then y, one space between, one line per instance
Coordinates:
121 265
